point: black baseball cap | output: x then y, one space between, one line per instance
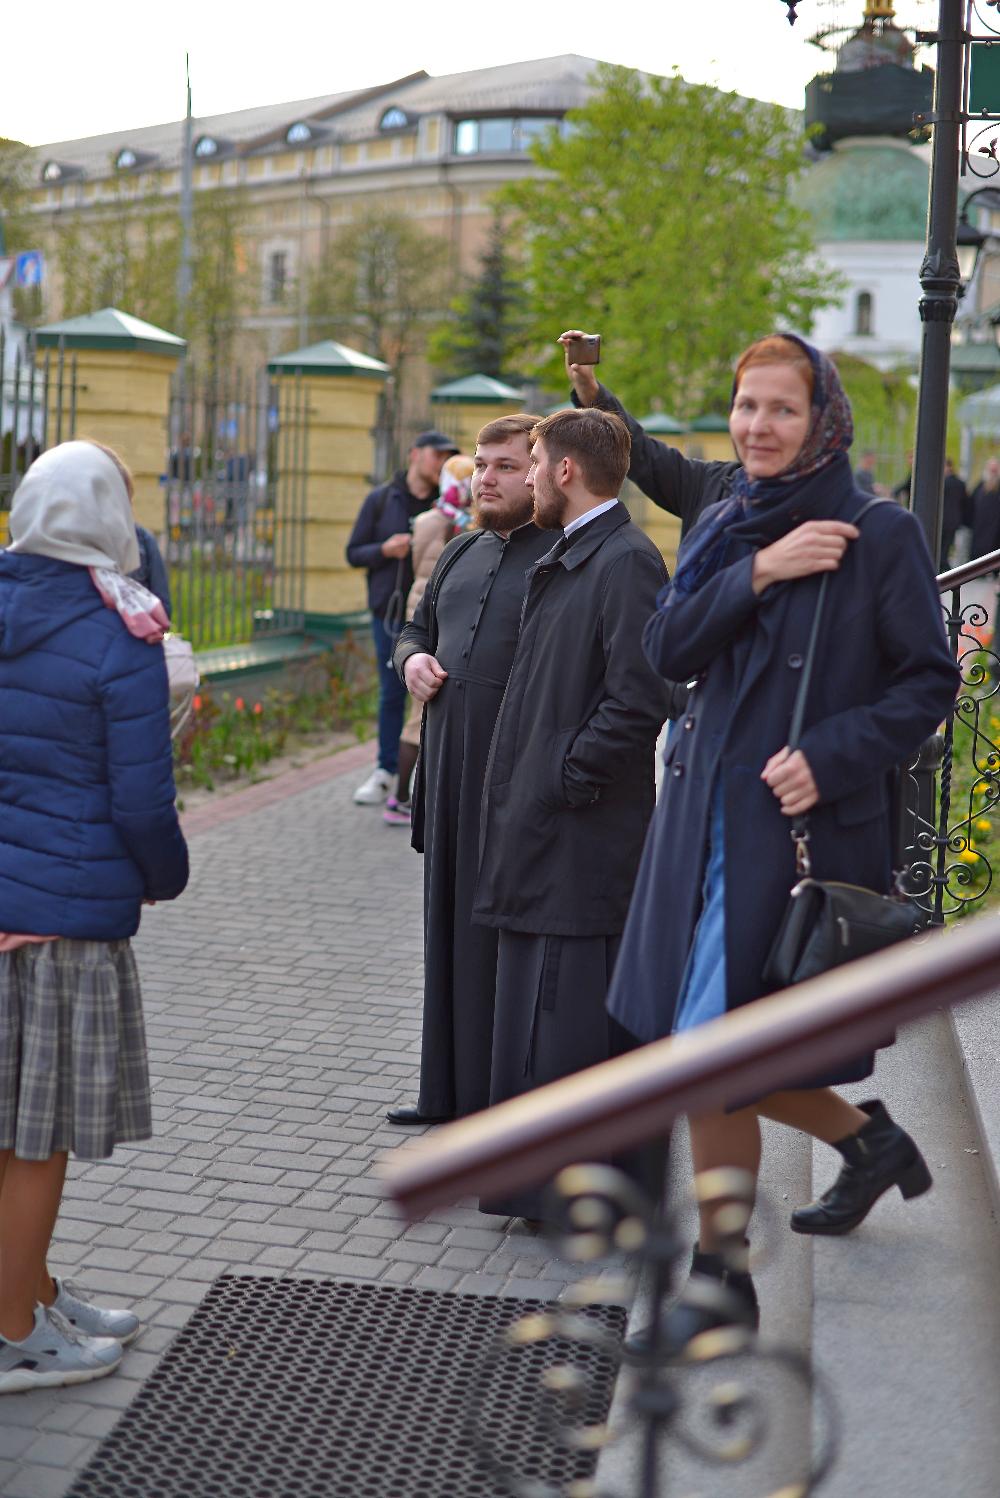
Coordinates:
437 440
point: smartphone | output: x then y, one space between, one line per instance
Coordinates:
584 350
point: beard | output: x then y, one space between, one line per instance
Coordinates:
550 504
503 513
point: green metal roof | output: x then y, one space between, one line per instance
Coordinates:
975 358
329 358
866 189
476 390
658 424
709 423
110 329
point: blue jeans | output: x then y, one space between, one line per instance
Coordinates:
391 699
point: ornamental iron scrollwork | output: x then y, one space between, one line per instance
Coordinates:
949 871
713 1401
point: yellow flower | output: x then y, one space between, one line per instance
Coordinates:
981 789
982 825
968 856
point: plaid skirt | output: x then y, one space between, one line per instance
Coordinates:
73 1070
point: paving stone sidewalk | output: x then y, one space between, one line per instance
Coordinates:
282 1001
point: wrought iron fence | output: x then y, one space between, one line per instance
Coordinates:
955 784
37 406
235 507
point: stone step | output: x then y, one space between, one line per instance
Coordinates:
906 1320
900 1318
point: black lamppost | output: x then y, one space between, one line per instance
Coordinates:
940 276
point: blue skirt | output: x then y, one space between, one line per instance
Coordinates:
703 988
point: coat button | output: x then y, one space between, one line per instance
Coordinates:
795 661
491 572
688 724
677 771
465 655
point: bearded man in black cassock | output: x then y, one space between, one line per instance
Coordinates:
570 785
455 656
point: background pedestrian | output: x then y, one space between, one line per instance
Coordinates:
380 543
449 516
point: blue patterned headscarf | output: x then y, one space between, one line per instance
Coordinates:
830 434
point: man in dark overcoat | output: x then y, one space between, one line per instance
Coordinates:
569 788
455 657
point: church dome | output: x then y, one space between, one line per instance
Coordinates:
866 189
872 48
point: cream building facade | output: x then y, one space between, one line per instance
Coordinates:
436 149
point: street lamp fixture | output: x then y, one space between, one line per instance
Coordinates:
970 242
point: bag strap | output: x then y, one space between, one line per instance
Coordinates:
800 825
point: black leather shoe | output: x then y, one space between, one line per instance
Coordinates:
881 1155
406 1115
713 1298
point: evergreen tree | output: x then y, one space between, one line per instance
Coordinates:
487 319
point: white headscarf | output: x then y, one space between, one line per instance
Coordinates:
72 505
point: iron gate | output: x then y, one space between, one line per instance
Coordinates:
235 495
37 406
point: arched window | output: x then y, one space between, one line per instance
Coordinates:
206 146
394 118
126 158
298 134
864 308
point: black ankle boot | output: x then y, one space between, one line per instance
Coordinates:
713 1297
881 1155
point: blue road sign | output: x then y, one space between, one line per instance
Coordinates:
29 268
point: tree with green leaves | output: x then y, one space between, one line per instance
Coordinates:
16 227
663 220
379 284
127 256
485 328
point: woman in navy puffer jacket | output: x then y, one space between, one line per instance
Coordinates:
88 832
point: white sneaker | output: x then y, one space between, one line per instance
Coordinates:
373 791
55 1353
92 1320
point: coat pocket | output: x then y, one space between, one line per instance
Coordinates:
864 805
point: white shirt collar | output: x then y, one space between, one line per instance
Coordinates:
589 515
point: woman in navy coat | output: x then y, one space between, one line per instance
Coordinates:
719 859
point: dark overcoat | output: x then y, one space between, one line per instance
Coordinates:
569 785
883 681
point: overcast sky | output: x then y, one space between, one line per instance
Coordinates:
114 66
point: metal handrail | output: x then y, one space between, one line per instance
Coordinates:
969 571
751 1051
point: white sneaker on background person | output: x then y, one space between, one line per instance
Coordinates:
55 1353
374 790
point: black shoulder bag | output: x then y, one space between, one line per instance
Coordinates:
827 923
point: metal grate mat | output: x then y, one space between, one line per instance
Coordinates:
285 1388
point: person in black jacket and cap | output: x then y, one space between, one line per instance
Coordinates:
569 785
380 542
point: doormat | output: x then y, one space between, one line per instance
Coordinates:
285 1388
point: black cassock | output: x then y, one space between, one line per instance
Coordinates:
478 610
